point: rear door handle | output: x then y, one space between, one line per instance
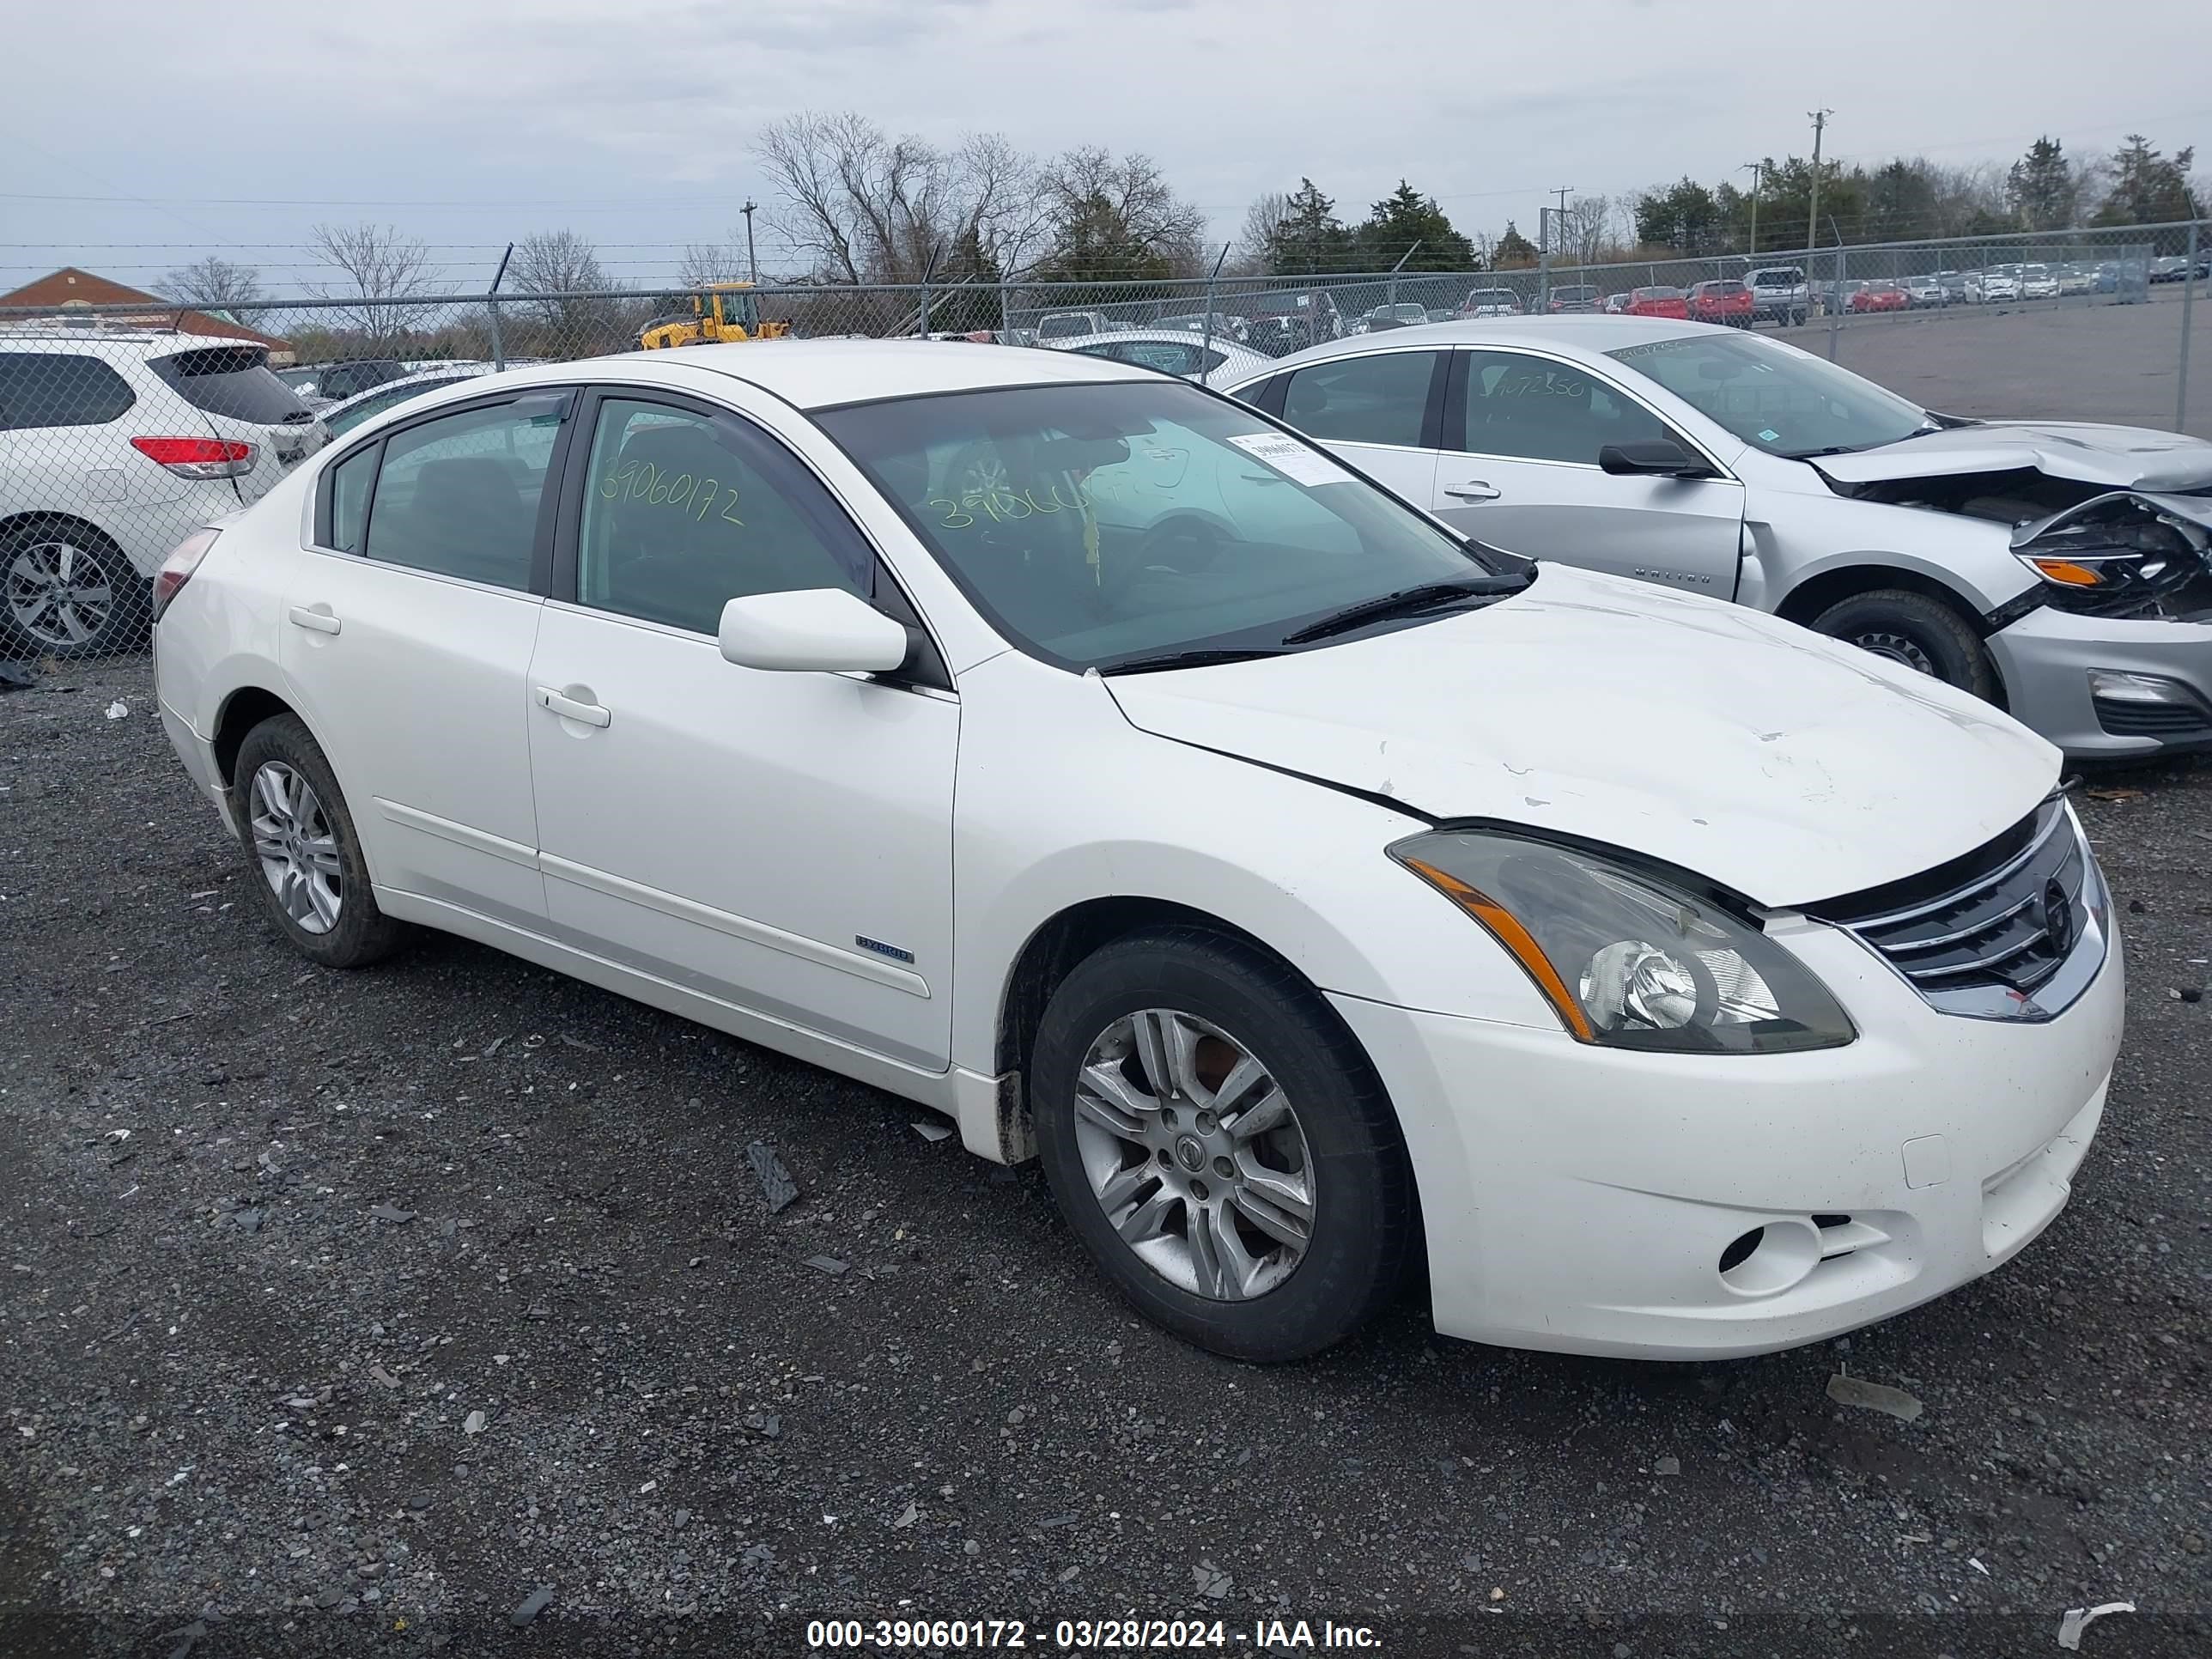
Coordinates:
569 709
1475 489
319 622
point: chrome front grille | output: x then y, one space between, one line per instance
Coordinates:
2013 931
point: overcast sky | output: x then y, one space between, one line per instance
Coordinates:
237 127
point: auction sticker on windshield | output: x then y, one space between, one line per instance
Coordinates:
1293 459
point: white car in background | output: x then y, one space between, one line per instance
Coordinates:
2037 283
1309 895
1220 362
2059 567
113 447
343 417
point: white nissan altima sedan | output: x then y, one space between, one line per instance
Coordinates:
1087 757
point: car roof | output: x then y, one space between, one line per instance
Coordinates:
1593 332
142 342
421 377
824 373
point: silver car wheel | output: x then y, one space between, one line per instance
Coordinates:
299 854
1195 1155
59 594
1898 649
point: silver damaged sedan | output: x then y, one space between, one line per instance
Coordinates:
2063 569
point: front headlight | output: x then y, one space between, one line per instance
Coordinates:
1628 960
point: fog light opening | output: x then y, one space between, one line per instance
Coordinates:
1769 1260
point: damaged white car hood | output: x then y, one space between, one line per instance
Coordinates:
1763 756
2108 457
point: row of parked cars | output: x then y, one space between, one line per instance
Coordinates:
1389 815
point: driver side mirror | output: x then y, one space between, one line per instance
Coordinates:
812 629
1651 458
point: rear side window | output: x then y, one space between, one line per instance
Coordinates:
234 381
59 388
349 486
1381 398
459 495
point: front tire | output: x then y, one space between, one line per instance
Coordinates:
1220 1144
1921 633
299 836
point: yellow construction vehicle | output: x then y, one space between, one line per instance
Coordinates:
721 311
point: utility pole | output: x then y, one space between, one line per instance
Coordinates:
1758 170
752 262
1812 219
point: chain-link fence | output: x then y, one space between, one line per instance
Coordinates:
124 428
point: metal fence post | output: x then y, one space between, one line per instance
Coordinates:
1205 323
1836 304
2181 364
492 308
1394 270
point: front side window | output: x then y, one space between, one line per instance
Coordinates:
459 495
1099 524
59 388
1381 397
1534 409
1783 400
372 404
684 513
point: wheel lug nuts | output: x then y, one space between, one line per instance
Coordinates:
1168 1116
1164 1159
1206 1123
1198 1191
1224 1169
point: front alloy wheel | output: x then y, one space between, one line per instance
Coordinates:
1194 1154
1189 1088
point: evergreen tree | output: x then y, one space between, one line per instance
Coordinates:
1309 237
2148 189
1402 219
2042 189
1514 250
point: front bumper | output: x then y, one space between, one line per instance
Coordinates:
2047 657
1584 1199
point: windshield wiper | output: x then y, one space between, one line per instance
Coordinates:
1408 600
1197 657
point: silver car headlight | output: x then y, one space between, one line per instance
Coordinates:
1628 960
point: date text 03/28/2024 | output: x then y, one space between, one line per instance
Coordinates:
1089 1635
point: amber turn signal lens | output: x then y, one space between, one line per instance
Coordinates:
2065 570
1514 937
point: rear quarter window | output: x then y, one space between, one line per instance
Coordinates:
59 388
232 381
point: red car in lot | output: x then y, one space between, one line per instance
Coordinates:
1880 296
1658 302
1728 302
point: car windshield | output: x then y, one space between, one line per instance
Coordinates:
1785 401
1574 291
1052 328
1099 524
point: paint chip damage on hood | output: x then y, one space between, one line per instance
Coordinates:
1755 753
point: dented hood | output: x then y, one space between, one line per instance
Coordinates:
1758 755
2110 456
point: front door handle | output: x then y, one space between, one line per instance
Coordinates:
1475 489
317 620
590 713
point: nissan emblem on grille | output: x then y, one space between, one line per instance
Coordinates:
2058 918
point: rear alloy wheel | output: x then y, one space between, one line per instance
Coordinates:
313 882
1190 1093
68 591
1924 634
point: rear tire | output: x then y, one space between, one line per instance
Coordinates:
67 592
305 855
1261 1243
1921 633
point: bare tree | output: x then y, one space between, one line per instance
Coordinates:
1118 217
382 277
1584 229
564 269
864 207
1262 219
713 262
215 284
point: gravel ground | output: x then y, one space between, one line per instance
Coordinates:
347 1312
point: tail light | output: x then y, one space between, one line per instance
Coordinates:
198 458
177 570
